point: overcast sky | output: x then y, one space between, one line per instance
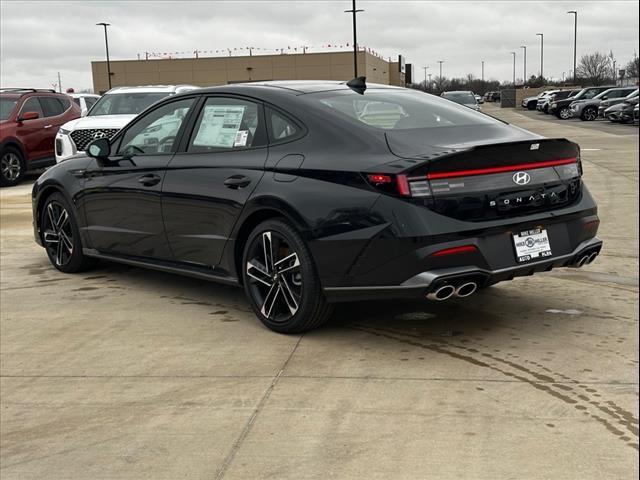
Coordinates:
40 38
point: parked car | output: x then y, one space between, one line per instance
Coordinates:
84 100
609 102
479 98
495 97
111 112
29 120
587 110
463 97
543 103
530 103
629 111
560 108
285 189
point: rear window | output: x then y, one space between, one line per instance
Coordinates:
53 106
400 110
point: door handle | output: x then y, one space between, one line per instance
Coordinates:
149 180
237 181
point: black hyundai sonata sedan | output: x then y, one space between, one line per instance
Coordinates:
310 193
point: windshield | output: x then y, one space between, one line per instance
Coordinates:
6 107
460 97
400 110
124 103
633 94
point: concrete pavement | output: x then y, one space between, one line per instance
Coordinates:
123 373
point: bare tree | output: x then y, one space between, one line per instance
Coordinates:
594 68
633 66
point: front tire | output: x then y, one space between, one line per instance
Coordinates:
589 114
61 237
12 167
564 113
280 279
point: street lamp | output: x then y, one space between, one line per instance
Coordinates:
541 35
483 70
524 74
106 44
575 42
441 62
353 11
425 76
514 68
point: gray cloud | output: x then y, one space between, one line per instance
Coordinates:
40 38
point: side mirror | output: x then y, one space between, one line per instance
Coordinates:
99 148
29 116
605 97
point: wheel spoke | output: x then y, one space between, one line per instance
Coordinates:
62 220
270 300
51 237
289 297
59 253
51 215
257 273
268 251
67 241
287 263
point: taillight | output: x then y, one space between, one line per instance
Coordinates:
502 169
455 251
401 185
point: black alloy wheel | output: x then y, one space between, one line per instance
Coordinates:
11 167
280 279
60 236
564 113
589 114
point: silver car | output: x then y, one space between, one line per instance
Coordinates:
610 102
587 110
463 97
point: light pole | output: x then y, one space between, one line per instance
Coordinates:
106 44
441 62
483 71
514 68
425 76
524 73
429 82
575 43
541 35
353 11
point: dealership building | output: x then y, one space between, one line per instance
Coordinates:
209 71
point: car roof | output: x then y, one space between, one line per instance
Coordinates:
152 89
295 87
458 91
81 95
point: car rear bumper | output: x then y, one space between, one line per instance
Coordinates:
425 283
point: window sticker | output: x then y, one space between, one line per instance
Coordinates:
219 126
241 138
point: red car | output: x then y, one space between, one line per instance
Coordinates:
29 121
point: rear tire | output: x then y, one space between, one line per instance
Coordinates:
280 279
61 237
12 167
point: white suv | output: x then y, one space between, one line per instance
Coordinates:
84 100
111 112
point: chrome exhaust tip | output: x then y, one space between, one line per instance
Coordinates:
591 258
442 293
466 289
582 261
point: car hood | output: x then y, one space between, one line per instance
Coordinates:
528 99
99 121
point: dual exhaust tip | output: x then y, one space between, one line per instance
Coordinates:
447 291
585 259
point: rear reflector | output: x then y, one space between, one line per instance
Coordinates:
455 250
507 168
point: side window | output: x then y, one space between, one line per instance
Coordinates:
76 100
32 105
89 101
228 124
51 106
281 128
156 132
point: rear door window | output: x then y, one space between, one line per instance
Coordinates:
228 124
281 128
32 105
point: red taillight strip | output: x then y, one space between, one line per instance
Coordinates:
455 250
508 168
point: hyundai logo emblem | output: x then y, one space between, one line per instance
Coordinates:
521 178
99 135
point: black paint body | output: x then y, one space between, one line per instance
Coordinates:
365 243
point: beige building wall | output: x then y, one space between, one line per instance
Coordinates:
223 70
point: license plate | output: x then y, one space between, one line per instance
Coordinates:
532 245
